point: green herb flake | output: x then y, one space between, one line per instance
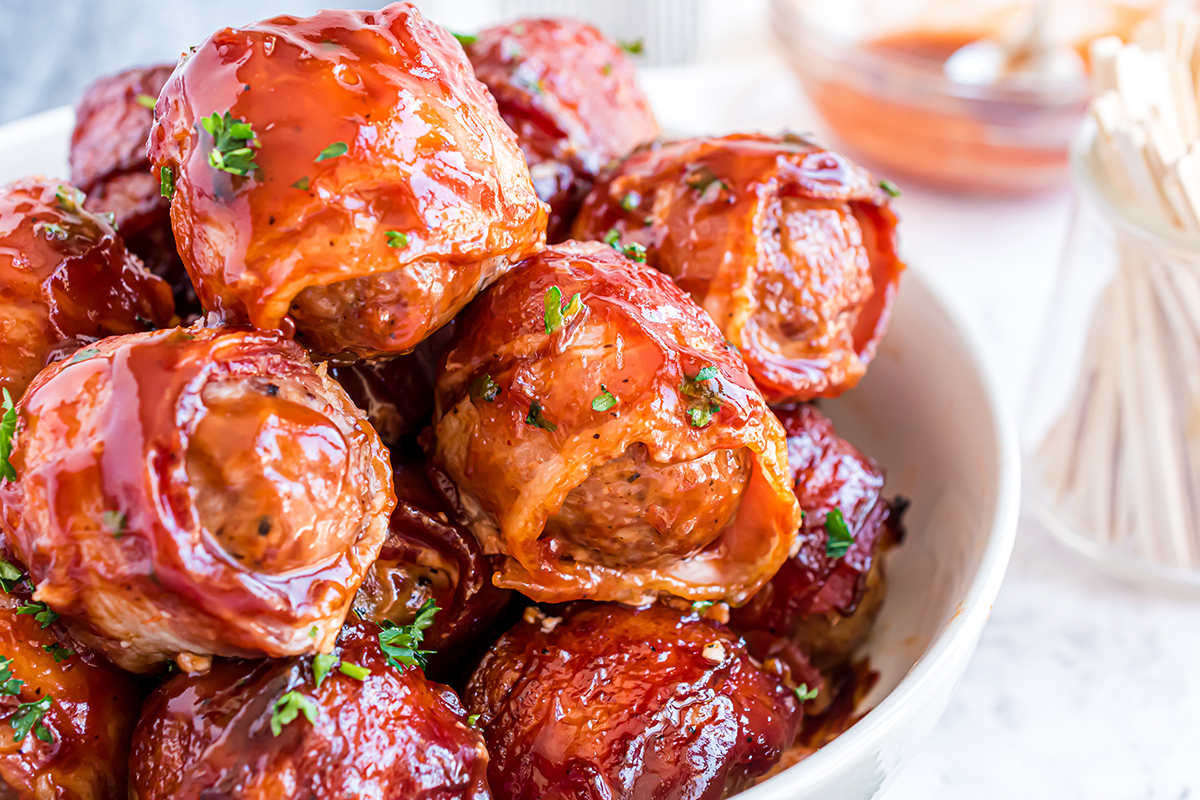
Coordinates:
322 664
290 706
537 418
892 189
146 101
840 537
704 400
465 39
603 401
606 68
335 150
8 431
10 575
59 652
114 522
804 694
397 239
635 252
631 201
484 388
635 47
301 184
84 355
700 606
166 183
40 612
473 720
558 315
401 643
613 238
233 140
9 686
705 182
29 717
313 631
51 230
69 199
354 671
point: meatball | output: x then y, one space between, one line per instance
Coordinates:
109 163
193 492
346 727
67 715
429 556
64 274
791 248
616 702
572 97
344 174
825 597
605 439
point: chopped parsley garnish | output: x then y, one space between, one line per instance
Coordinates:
473 720
631 201
537 418
114 522
59 652
353 671
705 182
804 694
322 664
465 39
52 230
635 47
613 238
84 355
146 101
558 315
9 685
635 252
313 631
233 140
166 183
69 199
290 706
606 68
40 612
892 189
301 184
10 576
603 401
29 717
8 430
484 388
401 643
700 606
397 239
840 537
703 400
332 151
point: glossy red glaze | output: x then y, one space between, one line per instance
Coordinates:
616 702
109 163
827 604
641 337
64 273
427 156
572 97
193 492
397 394
90 719
428 555
393 734
790 247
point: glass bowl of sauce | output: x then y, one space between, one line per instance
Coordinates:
874 70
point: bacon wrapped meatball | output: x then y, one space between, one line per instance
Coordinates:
109 163
825 598
66 717
612 701
428 556
607 441
64 274
572 97
341 727
194 492
343 173
791 248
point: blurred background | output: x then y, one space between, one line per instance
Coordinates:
1083 686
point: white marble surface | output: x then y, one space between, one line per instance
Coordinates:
1081 687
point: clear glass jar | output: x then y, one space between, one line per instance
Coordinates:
1111 427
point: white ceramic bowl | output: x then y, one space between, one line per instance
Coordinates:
929 414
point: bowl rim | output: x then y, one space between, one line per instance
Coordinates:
936 664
